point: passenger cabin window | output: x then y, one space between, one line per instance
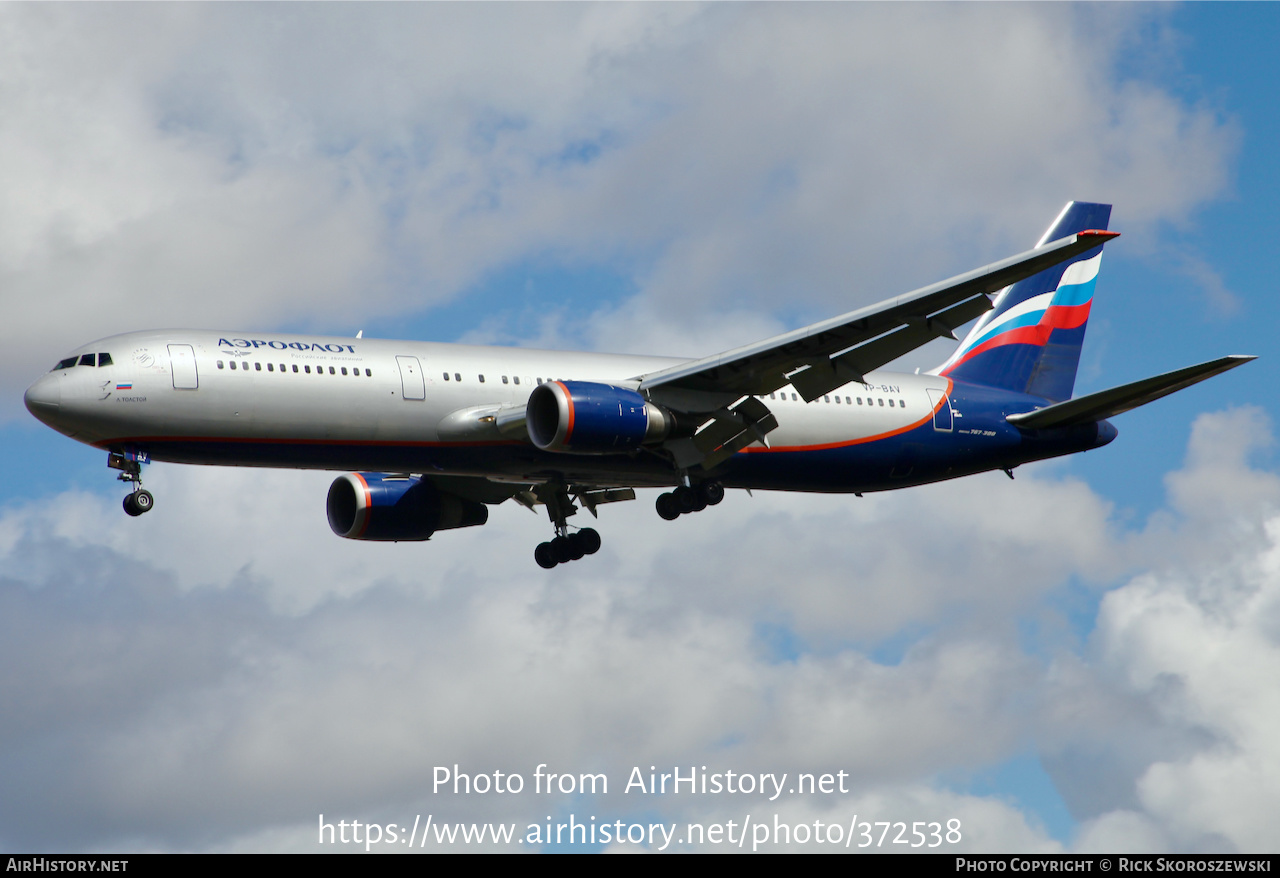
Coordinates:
368 373
504 379
220 364
306 369
482 379
233 365
457 376
446 376
257 367
295 367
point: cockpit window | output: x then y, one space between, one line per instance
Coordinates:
104 359
89 360
65 364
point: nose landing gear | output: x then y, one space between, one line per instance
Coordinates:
130 466
689 498
138 502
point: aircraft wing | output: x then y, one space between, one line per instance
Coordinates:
529 492
819 358
475 488
1108 403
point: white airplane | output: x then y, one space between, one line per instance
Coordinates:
435 433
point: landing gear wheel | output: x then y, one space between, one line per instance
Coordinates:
544 556
686 500
138 502
667 507
590 540
561 550
712 492
566 546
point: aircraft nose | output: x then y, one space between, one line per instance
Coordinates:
44 398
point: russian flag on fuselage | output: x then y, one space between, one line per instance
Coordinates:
1030 341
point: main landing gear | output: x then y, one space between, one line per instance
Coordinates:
689 498
565 546
130 466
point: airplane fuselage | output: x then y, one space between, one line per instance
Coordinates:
313 402
432 435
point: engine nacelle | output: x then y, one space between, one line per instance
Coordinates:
583 417
375 506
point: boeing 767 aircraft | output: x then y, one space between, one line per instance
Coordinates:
436 433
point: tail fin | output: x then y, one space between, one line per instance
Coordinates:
1030 341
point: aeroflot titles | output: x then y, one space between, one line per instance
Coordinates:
285 345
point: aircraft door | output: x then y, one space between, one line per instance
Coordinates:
182 364
941 413
411 382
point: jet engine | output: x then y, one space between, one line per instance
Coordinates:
377 506
583 417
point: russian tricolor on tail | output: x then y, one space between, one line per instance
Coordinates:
1031 339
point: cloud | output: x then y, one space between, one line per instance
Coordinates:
1200 641
321 166
218 673
1170 739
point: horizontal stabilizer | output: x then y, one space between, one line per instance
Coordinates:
1107 403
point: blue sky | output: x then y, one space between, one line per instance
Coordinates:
1044 659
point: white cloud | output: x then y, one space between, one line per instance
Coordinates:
243 166
1200 639
217 673
223 670
1175 715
